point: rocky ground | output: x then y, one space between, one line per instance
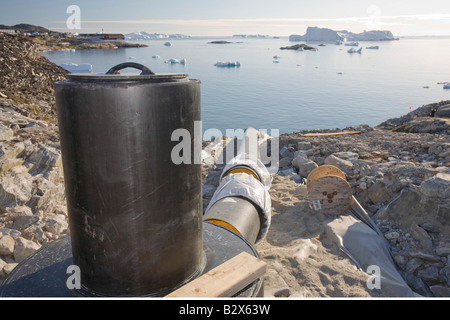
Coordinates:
402 179
27 78
399 171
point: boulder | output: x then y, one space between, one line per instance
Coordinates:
6 133
9 267
437 186
379 192
6 245
347 155
411 207
304 165
443 111
342 164
304 145
430 275
23 248
56 224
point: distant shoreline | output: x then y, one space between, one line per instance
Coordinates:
94 45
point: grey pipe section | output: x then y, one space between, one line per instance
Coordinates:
238 213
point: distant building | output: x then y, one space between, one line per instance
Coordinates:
101 36
8 31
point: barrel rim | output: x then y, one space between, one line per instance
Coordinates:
161 77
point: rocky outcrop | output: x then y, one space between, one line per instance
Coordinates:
32 201
430 118
298 46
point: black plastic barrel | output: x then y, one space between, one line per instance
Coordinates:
135 216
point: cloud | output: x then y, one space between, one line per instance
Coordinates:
442 17
433 23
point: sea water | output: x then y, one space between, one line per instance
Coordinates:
293 90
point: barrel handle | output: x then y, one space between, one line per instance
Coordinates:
144 69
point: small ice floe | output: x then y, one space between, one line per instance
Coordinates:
276 57
352 44
156 56
168 44
175 61
426 87
73 67
352 50
276 61
131 58
447 86
230 64
339 73
373 47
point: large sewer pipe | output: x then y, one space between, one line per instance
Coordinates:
241 202
136 218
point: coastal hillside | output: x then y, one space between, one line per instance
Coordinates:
27 78
399 171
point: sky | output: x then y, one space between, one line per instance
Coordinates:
229 17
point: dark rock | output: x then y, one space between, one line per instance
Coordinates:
429 275
425 125
297 46
428 110
443 111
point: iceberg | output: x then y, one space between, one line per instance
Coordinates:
373 35
352 50
317 34
175 61
153 36
73 67
230 64
156 56
446 86
352 44
324 34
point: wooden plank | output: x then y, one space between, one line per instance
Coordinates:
323 134
225 280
